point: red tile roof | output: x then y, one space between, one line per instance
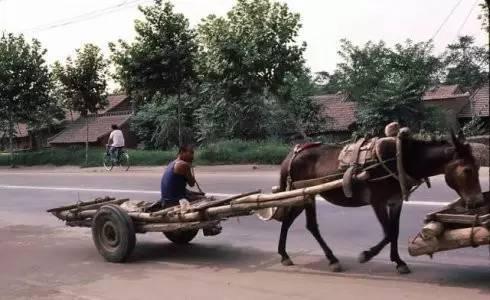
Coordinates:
443 92
114 101
98 127
339 111
478 104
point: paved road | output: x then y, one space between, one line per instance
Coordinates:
41 259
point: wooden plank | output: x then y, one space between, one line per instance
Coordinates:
98 205
97 200
174 226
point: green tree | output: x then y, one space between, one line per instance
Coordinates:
483 16
162 57
84 83
387 83
24 83
466 63
248 56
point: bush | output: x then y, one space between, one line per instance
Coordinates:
223 152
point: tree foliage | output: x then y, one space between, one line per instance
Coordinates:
161 59
84 80
83 83
25 83
252 48
387 82
466 63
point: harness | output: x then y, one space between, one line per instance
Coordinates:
365 155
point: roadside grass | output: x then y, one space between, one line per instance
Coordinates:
219 153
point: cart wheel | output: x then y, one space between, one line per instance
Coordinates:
181 237
113 233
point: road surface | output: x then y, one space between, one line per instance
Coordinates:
42 259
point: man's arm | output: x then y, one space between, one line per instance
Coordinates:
109 141
184 169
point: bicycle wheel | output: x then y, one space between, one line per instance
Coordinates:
124 161
107 161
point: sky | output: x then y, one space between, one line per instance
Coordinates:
324 22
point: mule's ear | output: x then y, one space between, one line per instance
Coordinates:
454 138
462 147
461 136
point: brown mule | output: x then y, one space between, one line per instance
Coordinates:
421 159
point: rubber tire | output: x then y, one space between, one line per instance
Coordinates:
124 156
181 237
111 218
107 162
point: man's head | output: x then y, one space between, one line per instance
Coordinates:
114 127
186 153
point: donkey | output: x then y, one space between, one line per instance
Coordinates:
421 159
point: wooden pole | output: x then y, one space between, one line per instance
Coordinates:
312 190
450 239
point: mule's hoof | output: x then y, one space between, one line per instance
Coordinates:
335 267
403 269
287 262
364 257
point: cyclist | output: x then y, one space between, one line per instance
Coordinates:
115 143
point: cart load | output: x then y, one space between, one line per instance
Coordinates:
453 227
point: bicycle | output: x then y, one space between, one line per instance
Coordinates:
121 160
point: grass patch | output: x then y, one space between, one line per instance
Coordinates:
220 153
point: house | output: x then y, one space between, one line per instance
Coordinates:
450 99
339 111
477 106
118 111
21 139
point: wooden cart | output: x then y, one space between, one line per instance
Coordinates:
115 222
453 227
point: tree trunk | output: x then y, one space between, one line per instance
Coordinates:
86 142
179 116
11 139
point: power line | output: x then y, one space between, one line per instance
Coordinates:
445 20
467 16
86 16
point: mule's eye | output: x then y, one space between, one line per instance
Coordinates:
467 170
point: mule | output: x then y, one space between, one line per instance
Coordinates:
421 159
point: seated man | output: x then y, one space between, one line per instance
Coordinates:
175 180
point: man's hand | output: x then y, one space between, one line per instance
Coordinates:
183 168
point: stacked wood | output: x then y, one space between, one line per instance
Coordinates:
450 239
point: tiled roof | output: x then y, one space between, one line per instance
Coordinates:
454 104
98 127
478 105
114 101
338 110
443 92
